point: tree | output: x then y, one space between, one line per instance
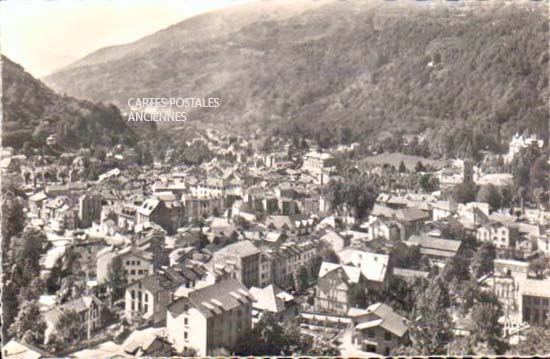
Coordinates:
484 326
536 341
402 167
70 327
116 279
457 268
483 259
490 194
358 296
419 167
301 278
329 255
28 324
269 337
428 183
464 192
538 266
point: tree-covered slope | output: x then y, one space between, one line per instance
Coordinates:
344 70
32 112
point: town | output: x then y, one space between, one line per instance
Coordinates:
275 246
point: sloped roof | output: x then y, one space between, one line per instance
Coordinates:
353 273
429 242
215 298
18 350
270 298
388 319
373 265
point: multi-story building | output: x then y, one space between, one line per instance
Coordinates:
168 214
136 263
209 318
217 187
373 266
288 258
148 298
316 162
89 209
501 235
535 301
200 207
87 307
333 289
245 257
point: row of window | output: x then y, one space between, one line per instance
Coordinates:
134 271
133 263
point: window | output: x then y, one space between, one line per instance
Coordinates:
146 298
186 307
371 333
127 263
387 336
133 293
184 335
138 262
133 271
185 321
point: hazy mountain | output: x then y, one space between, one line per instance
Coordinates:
32 112
341 70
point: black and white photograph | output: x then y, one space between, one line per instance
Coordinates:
283 178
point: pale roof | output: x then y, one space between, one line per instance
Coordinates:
17 350
270 298
353 273
373 265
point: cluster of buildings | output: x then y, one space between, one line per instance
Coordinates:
207 250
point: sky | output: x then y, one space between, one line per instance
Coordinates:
45 35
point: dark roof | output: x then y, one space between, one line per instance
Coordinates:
214 299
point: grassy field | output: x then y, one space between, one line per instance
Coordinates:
396 158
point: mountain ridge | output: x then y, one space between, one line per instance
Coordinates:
346 66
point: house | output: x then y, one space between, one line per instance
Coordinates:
373 266
15 349
380 330
168 214
213 317
147 298
332 292
136 263
88 307
502 235
315 162
273 300
245 257
149 342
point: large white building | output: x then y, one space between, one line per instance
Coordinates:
210 318
521 141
